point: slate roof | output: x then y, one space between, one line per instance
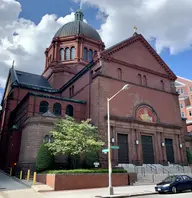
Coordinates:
29 80
32 79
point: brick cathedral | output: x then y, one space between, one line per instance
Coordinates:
78 76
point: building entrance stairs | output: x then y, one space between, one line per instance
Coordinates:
148 174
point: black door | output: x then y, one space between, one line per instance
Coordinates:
147 148
123 154
169 150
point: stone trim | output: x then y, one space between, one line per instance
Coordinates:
133 120
40 120
131 83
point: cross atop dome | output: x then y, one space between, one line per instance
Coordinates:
79 15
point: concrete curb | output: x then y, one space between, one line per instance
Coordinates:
128 195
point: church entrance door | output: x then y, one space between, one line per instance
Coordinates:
123 153
147 148
169 150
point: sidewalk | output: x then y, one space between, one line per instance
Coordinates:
126 191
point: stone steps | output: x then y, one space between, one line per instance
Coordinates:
152 174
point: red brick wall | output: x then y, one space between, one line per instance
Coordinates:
124 103
82 181
137 54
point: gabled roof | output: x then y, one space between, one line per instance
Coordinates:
138 37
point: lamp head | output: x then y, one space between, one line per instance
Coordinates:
127 86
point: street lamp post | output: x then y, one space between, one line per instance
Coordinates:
109 139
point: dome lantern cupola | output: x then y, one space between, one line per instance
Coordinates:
79 15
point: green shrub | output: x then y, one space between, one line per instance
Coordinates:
79 171
90 158
44 160
189 156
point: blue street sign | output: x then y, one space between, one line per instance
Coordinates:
114 147
104 150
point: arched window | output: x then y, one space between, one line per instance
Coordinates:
95 53
90 55
69 110
73 53
44 106
67 54
57 109
85 54
51 139
145 80
162 85
46 139
62 54
139 79
119 73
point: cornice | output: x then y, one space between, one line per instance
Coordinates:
77 37
133 120
99 73
110 59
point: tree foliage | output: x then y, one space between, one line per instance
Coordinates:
44 159
189 156
72 138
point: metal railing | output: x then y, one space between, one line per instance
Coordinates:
143 171
180 168
152 168
165 171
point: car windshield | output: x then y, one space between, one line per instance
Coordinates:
170 179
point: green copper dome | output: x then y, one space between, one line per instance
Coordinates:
78 27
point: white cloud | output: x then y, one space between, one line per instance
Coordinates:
23 41
169 21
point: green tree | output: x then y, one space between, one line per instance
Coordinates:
189 156
74 139
44 160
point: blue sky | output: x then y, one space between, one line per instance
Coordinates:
58 7
34 10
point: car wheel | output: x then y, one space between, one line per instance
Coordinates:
174 189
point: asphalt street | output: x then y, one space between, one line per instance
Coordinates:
179 195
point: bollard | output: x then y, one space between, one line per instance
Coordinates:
11 170
21 174
28 174
34 178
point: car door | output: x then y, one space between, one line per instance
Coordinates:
180 183
187 182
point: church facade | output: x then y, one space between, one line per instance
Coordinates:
79 76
